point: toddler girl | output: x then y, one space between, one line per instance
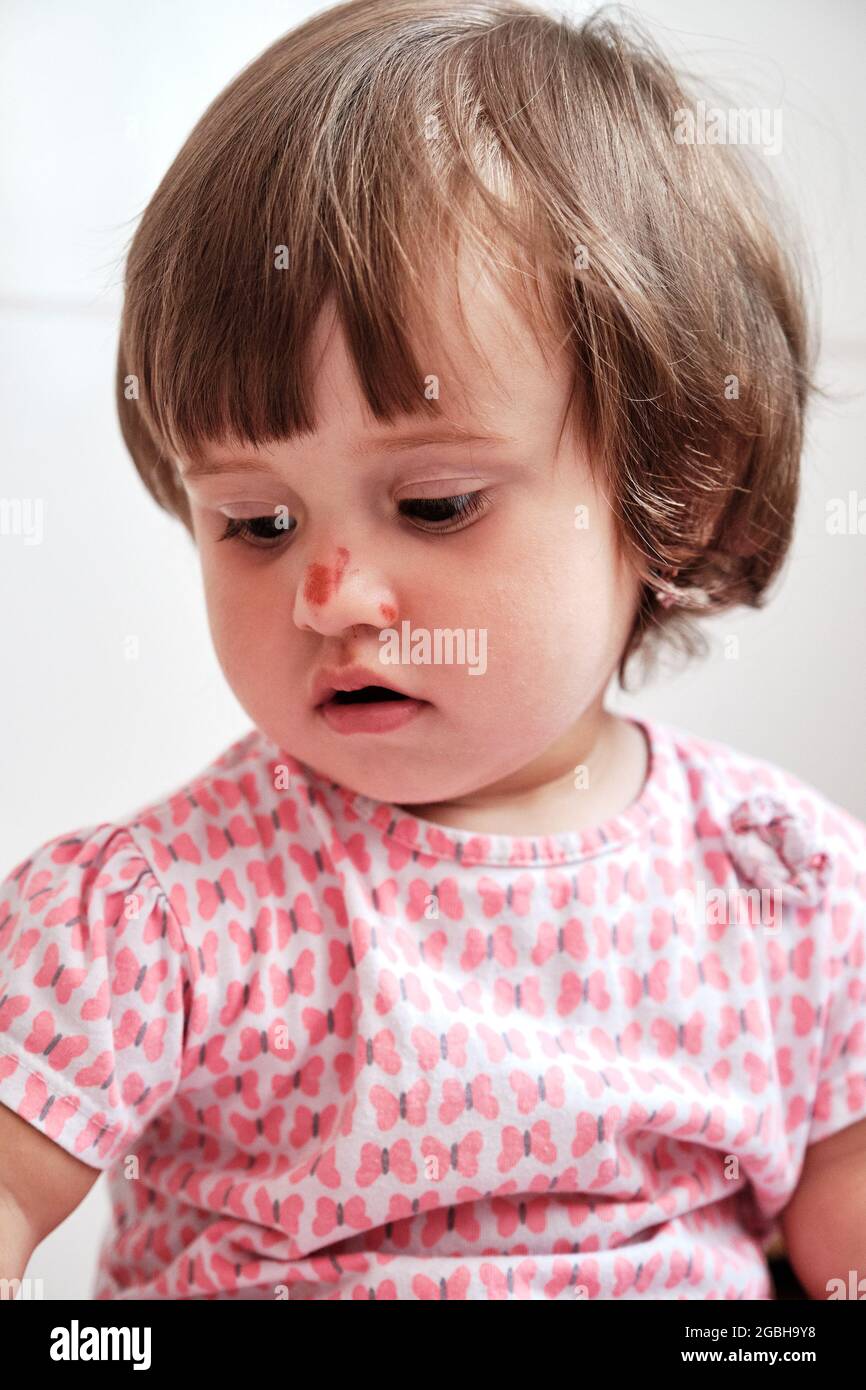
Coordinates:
445 982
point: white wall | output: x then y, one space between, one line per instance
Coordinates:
94 103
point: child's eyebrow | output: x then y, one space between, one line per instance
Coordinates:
447 436
418 439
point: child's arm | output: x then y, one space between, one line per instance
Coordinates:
85 923
824 1224
40 1184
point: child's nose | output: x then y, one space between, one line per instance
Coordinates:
335 594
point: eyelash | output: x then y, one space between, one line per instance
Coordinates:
464 505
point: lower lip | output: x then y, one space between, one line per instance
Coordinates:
377 717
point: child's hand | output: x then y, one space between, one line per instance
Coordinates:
824 1224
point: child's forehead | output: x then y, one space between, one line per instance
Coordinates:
355 438
481 360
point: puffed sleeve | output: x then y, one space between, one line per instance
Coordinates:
94 984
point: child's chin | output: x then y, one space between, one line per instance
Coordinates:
394 785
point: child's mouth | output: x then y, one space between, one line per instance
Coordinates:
374 709
368 694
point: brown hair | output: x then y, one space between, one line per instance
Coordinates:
382 130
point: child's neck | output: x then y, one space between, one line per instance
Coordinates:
543 798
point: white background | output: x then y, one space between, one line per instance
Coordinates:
95 101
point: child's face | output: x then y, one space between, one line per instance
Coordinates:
552 601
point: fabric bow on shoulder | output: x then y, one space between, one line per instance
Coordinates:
775 848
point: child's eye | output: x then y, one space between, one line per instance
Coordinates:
438 509
261 531
266 532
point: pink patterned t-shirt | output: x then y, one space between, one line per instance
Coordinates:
326 1049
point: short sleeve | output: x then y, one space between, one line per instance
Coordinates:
840 1096
94 983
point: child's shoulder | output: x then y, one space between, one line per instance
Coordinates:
252 777
731 774
247 778
112 935
106 932
772 820
232 809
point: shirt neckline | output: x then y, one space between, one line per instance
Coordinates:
426 839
